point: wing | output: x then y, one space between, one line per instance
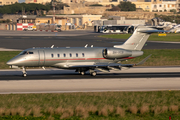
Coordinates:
106 67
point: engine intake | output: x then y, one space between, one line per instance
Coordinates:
113 53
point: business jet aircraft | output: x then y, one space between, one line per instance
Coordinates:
83 59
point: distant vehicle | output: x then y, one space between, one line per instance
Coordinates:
83 59
112 28
30 28
58 28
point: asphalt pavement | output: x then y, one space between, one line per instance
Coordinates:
21 40
53 80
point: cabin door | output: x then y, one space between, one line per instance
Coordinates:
41 58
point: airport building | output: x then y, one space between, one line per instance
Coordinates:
146 5
178 5
79 20
168 5
7 2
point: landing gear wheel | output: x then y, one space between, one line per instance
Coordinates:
82 72
24 75
93 74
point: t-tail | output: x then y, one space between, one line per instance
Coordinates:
137 40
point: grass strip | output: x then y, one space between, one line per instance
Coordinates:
172 37
156 105
162 57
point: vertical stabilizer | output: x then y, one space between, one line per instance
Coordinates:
137 40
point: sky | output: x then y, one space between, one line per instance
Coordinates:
20 1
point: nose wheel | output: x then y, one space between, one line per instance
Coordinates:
24 74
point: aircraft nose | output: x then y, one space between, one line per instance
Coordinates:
10 62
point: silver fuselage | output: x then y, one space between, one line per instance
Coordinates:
65 57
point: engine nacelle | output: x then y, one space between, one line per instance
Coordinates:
113 53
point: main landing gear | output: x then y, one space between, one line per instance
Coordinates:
24 73
82 72
92 72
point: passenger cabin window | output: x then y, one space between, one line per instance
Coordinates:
52 55
64 55
76 54
58 55
82 54
70 55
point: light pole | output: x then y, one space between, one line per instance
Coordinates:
54 4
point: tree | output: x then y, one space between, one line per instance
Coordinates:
127 6
115 8
17 8
96 5
60 6
173 10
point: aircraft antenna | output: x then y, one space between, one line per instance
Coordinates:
86 45
52 46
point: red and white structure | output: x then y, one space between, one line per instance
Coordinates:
21 26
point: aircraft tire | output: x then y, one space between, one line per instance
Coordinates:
24 75
93 74
82 72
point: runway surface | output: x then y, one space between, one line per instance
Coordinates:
57 81
27 39
58 74
87 85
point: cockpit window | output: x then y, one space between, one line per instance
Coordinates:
30 52
26 53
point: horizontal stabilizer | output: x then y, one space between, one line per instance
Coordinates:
144 60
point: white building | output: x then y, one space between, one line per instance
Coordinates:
168 5
7 2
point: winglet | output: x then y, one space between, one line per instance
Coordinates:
144 60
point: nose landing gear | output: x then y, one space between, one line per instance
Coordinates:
24 73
